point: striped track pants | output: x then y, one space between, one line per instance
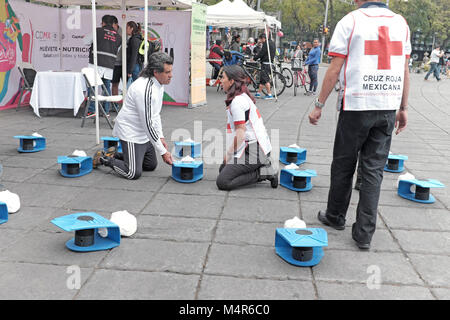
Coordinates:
136 158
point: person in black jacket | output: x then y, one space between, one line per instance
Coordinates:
108 43
134 63
263 56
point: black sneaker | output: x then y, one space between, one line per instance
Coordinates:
274 181
268 172
106 161
322 216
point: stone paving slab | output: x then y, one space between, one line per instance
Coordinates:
416 218
157 255
441 294
175 228
351 266
28 218
11 174
197 206
138 285
252 262
354 291
53 177
113 181
100 199
230 288
24 162
433 268
427 242
50 196
264 210
49 248
28 281
246 233
204 188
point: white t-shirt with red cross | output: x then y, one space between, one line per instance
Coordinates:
375 43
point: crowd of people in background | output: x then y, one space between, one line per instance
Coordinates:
109 55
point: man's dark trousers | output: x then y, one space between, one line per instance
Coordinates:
368 133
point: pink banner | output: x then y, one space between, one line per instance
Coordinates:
54 40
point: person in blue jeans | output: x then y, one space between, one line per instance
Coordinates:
312 62
134 61
434 63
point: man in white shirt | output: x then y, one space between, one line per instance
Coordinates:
434 62
370 48
138 125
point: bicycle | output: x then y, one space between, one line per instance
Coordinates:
253 70
230 58
301 77
286 72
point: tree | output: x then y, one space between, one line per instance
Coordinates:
429 16
301 19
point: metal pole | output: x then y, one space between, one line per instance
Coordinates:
387 3
270 62
60 38
323 34
94 46
124 50
146 32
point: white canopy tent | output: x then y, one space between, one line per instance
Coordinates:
182 4
238 14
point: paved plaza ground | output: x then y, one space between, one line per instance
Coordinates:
196 242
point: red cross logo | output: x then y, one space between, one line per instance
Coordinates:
384 48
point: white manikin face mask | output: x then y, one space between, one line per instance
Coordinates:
12 201
126 221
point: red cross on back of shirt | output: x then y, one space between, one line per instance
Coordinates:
384 48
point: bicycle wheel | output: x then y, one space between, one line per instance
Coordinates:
280 83
302 81
219 85
287 73
306 76
252 79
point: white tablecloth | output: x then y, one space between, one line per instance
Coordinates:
63 90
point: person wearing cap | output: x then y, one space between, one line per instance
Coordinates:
138 125
370 49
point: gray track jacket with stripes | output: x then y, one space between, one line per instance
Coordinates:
139 119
